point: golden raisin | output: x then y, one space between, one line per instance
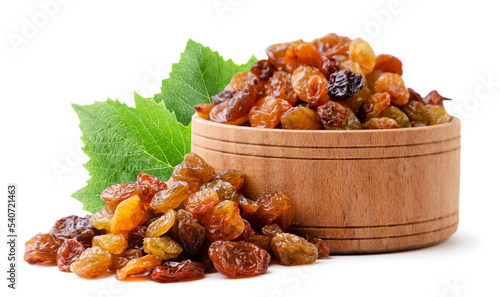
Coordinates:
388 63
232 176
113 243
161 225
380 123
200 202
300 118
223 221
332 44
291 249
137 266
92 263
129 214
171 198
163 247
266 113
279 86
393 84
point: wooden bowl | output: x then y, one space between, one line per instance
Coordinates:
367 191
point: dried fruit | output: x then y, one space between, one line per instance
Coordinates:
263 70
73 227
101 219
175 271
247 207
302 54
223 96
67 253
247 232
353 122
436 114
274 208
240 80
266 113
328 65
300 80
344 84
271 230
189 233
171 198
332 44
374 106
232 176
200 202
333 115
300 118
119 261
362 53
151 185
203 110
317 93
380 123
224 189
388 63
136 237
113 243
129 214
223 221
291 249
323 249
434 98
238 258
92 263
239 105
137 266
118 193
279 86
41 249
276 54
393 84
163 247
261 241
398 115
161 225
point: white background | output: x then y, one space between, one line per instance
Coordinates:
90 50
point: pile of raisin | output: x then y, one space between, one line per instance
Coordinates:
196 222
331 83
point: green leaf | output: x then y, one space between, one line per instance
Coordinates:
200 74
122 141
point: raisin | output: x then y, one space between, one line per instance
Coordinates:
274 208
100 220
223 96
263 69
380 123
67 253
224 189
189 233
300 118
247 207
353 67
279 86
328 65
151 185
113 243
92 263
333 115
203 110
332 44
73 227
398 115
163 247
175 271
271 230
374 106
388 63
317 93
137 266
238 258
200 202
239 105
128 215
302 54
41 249
220 114
323 249
161 225
205 258
118 193
371 78
247 232
232 176
414 96
424 115
353 122
362 53
261 241
183 174
171 198
136 237
353 103
291 249
198 166
300 79
276 54
436 114
344 84
240 80
223 221
393 84
266 113
434 98
119 261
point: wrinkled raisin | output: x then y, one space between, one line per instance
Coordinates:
41 249
300 118
163 247
388 63
101 219
137 266
113 243
92 263
223 221
263 69
317 93
380 123
279 86
73 227
128 215
300 79
203 110
223 96
374 106
398 115
120 192
119 261
266 113
224 189
247 207
136 237
323 249
302 54
188 232
291 249
238 258
276 54
362 53
175 271
239 105
151 185
67 253
344 84
328 65
271 230
161 225
240 80
393 84
332 44
261 241
232 176
274 208
171 198
333 115
247 232
353 122
200 202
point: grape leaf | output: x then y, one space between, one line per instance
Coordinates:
122 141
200 74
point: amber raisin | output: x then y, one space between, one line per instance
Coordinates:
137 266
239 258
317 93
232 176
333 115
274 208
380 123
302 54
300 79
276 54
175 271
203 110
374 106
240 80
92 263
200 202
41 249
279 86
300 118
261 241
163 247
328 65
344 84
398 115
73 227
247 232
388 63
120 192
223 221
271 230
224 189
393 84
353 122
67 253
119 261
291 249
189 233
266 113
151 185
436 114
113 243
161 225
128 215
323 249
247 207
332 44
424 115
362 53
221 112
239 105
171 198
100 220
263 69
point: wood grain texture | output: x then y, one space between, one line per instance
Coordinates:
361 191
